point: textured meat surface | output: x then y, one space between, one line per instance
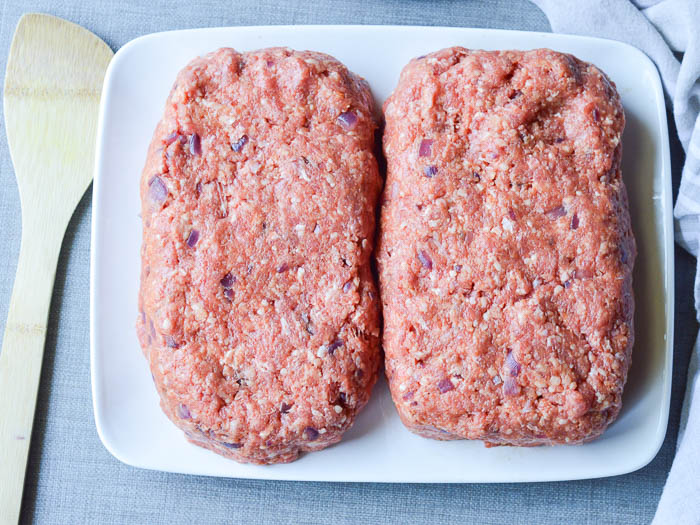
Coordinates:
258 312
506 251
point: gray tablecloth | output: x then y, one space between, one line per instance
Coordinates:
72 478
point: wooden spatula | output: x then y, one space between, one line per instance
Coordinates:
52 93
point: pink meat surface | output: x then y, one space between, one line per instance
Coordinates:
506 251
259 314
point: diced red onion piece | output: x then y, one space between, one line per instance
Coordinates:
342 398
284 407
445 385
408 396
171 138
195 144
596 115
567 284
192 238
334 346
183 412
559 140
157 190
511 387
238 145
228 293
311 433
556 213
426 148
511 214
228 280
282 268
170 341
430 171
425 260
574 222
231 445
476 176
347 120
198 189
511 365
347 286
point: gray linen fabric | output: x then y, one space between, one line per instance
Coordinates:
72 479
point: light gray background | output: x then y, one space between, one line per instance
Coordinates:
72 479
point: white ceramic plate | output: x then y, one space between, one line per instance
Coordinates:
378 448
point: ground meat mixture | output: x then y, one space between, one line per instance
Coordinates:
506 252
258 312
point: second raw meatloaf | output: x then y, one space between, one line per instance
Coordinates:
259 314
506 252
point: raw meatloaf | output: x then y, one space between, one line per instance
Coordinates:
506 251
259 314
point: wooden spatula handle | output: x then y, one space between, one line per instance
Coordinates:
20 361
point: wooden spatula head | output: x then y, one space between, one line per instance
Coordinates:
52 91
